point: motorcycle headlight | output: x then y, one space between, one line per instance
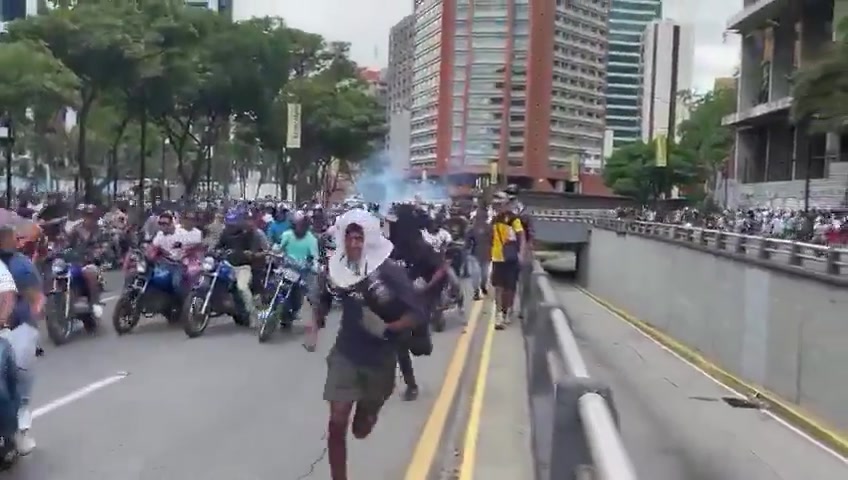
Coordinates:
141 266
277 249
59 266
208 264
291 275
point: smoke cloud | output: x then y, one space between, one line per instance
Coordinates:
381 180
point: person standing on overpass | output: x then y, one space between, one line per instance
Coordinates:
508 244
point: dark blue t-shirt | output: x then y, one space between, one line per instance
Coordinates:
26 277
354 341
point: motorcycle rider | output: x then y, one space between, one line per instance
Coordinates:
241 241
85 240
172 241
279 225
301 246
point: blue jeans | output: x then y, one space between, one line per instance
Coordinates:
175 270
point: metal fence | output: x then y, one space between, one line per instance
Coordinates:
574 420
817 258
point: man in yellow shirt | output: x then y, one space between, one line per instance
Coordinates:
508 244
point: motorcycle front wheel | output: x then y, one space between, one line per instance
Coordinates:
268 324
59 326
195 320
126 316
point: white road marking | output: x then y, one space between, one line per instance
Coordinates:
110 298
78 394
730 389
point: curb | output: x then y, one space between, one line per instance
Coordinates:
792 414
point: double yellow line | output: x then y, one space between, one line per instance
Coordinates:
424 455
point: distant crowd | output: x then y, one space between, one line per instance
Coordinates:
816 226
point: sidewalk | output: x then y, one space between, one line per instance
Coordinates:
502 422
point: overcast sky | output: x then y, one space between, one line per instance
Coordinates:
366 23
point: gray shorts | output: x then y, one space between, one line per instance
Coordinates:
367 385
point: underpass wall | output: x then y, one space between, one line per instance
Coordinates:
784 332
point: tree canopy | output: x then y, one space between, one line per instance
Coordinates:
208 94
632 171
702 150
820 88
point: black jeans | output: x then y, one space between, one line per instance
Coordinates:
405 364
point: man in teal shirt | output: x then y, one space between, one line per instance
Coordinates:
300 246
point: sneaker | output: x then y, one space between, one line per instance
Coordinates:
500 321
485 291
26 444
476 295
97 310
411 393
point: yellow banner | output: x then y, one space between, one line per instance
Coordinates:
293 126
574 162
493 172
662 150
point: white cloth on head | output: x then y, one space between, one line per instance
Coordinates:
375 251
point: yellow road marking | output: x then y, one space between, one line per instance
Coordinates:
792 414
425 449
472 431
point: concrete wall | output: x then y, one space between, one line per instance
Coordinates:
774 329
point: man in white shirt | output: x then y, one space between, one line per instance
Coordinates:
173 240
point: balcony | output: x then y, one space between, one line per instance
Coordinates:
756 14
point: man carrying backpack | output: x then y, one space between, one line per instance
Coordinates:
508 244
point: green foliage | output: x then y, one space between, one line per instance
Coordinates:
703 137
632 171
820 91
192 77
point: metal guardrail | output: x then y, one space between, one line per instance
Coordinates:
575 423
819 258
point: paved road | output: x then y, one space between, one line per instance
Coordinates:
674 421
220 407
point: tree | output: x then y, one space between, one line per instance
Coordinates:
99 42
820 91
704 138
632 171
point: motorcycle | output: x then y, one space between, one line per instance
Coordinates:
285 277
213 295
148 290
67 301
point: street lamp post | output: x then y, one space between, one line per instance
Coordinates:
7 137
164 188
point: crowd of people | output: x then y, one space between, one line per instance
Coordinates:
390 269
822 227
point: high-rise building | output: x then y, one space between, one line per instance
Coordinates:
516 83
399 79
15 9
401 59
627 22
778 161
221 6
667 51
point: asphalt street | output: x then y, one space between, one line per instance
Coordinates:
675 421
155 405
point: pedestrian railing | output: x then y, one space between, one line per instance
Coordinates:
574 420
818 258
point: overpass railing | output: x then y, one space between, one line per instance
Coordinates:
575 423
819 258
